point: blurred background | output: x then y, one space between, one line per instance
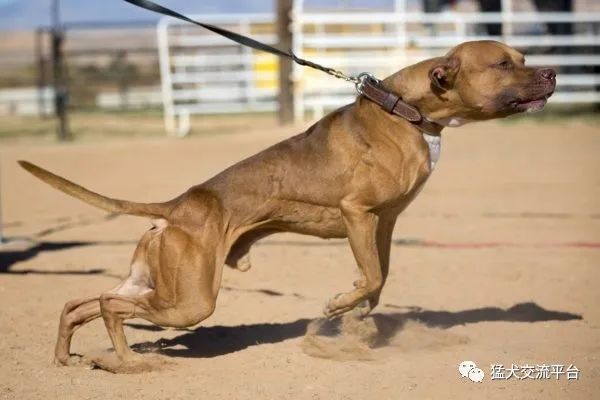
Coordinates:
70 66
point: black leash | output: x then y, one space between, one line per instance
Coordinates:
245 40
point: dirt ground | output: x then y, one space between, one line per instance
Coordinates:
497 261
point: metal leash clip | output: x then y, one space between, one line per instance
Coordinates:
361 78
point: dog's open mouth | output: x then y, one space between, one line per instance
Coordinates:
532 105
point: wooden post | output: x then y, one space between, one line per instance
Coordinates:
61 94
286 84
60 89
41 81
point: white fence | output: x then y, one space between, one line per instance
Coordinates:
133 99
27 101
204 73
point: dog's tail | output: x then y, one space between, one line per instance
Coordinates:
160 210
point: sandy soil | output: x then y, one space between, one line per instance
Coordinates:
497 261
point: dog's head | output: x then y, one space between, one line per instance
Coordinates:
475 81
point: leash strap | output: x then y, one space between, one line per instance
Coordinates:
366 84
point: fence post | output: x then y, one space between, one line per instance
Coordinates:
506 12
286 84
41 69
60 89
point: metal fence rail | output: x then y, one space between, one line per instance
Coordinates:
203 73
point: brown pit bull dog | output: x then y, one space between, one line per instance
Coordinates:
349 175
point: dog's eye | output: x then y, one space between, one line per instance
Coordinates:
504 65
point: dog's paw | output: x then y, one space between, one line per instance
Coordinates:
351 301
340 304
360 283
363 309
133 364
70 360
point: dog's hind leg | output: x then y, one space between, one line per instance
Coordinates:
186 284
79 312
75 314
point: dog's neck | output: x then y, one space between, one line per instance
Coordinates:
414 86
397 83
392 102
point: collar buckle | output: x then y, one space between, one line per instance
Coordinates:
362 78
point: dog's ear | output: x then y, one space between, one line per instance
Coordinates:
443 73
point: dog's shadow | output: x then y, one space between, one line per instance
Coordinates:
208 342
9 258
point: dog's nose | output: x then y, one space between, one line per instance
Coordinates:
547 73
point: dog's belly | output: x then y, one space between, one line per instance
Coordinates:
308 219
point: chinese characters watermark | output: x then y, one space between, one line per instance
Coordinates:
538 371
468 369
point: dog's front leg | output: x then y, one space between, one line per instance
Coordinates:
361 226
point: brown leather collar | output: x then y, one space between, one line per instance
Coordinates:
392 103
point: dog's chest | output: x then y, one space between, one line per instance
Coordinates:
434 143
435 146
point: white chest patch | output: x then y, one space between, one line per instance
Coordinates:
435 147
